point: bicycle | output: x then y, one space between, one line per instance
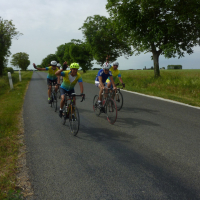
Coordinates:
119 97
108 106
71 111
53 97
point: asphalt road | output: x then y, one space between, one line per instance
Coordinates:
152 152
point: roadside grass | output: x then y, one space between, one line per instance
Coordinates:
178 85
11 102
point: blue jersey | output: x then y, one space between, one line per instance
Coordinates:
103 75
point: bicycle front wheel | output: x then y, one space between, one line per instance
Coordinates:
111 111
64 115
119 100
74 120
96 107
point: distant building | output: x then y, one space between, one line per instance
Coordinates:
174 67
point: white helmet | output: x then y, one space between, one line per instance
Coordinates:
58 65
116 63
53 62
106 66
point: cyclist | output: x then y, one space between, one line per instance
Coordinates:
115 74
51 77
70 78
101 78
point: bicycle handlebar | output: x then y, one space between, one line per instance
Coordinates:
76 95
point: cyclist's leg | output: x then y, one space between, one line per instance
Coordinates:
62 102
62 93
49 87
56 86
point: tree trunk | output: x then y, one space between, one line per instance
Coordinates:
156 64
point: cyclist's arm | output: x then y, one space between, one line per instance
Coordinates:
81 87
40 69
112 81
120 79
100 81
58 73
58 79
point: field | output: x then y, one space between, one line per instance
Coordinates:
11 102
179 85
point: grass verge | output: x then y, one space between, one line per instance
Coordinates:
178 85
11 102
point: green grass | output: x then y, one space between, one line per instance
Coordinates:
178 85
11 102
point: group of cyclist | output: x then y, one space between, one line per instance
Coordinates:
105 78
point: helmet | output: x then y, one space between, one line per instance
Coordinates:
58 65
53 62
116 63
74 66
106 66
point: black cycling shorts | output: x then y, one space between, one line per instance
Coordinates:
51 82
62 91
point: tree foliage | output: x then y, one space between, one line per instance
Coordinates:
7 33
75 51
99 33
47 61
20 60
167 27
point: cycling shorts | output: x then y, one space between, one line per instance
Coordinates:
97 83
62 91
51 82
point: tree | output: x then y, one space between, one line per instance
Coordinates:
60 53
20 60
7 33
167 27
102 40
46 61
80 53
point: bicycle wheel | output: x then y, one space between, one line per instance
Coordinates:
52 104
119 100
64 117
55 101
111 111
58 94
96 107
74 120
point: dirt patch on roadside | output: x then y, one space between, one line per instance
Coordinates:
23 182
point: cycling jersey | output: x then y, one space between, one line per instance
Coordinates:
69 81
103 75
115 73
51 75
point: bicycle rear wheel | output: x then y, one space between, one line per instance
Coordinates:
111 111
74 120
52 103
55 101
96 107
119 100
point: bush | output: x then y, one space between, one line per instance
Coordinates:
8 69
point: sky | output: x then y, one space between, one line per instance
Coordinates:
47 24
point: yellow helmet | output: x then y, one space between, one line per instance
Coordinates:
74 66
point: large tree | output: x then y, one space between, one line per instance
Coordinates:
80 53
162 27
7 33
102 40
47 61
20 60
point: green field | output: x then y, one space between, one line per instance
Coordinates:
179 85
11 102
